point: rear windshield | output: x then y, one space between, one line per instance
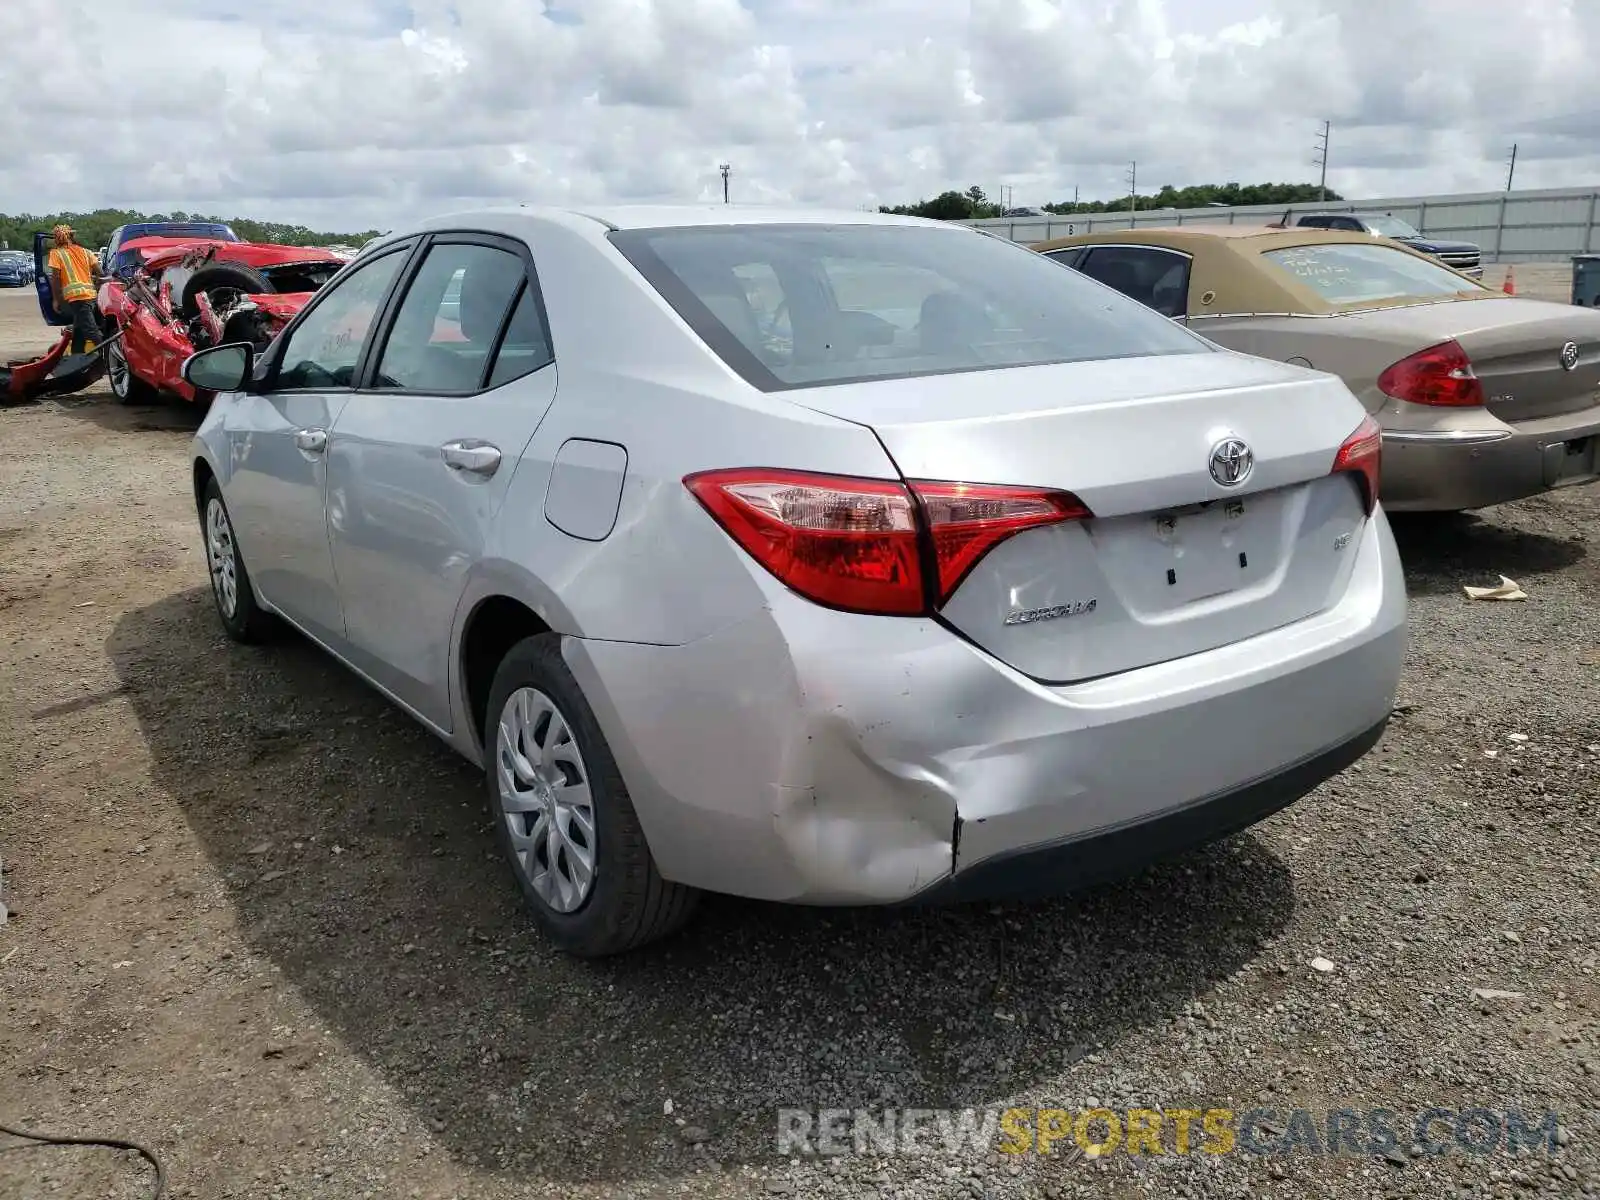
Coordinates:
793 306
1351 273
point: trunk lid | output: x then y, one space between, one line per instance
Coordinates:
1519 359
1515 346
1172 563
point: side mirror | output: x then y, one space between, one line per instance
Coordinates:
221 368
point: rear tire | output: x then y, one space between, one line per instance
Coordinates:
242 618
545 763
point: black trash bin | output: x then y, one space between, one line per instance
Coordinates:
1586 280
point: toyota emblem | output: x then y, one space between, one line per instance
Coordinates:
1231 462
1569 356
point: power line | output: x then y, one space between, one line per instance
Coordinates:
1322 157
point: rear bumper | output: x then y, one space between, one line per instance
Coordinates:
1447 471
1108 854
818 757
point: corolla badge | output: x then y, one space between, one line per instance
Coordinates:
1027 616
1569 356
1231 462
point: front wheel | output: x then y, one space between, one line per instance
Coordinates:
127 387
563 816
242 618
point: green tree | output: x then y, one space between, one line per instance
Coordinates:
1203 195
949 206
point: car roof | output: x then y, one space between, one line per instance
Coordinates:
666 216
1183 236
658 216
1227 274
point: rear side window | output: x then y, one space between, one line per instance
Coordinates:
1353 273
526 345
1067 258
793 306
1158 279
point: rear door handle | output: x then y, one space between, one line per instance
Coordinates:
312 441
473 457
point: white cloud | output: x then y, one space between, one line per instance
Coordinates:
374 112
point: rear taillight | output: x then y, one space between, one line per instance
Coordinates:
861 544
1360 455
1440 375
968 520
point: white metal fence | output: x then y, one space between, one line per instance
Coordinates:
1547 225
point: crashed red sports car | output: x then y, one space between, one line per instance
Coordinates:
185 295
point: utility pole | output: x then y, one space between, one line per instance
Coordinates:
727 170
1322 156
1133 192
1511 172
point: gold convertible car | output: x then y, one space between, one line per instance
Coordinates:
1483 397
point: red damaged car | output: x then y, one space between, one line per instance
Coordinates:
184 295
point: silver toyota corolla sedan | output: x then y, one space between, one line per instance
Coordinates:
823 558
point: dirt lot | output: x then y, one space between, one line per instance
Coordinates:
257 919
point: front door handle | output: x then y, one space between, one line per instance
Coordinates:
312 441
473 457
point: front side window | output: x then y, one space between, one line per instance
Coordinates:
324 348
445 329
1353 273
790 306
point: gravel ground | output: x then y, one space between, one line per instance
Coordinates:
257 919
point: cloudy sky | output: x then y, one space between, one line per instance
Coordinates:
358 113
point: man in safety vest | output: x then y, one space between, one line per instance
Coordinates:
74 279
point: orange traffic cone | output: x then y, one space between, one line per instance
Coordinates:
1510 285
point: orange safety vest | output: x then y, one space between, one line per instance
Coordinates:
77 272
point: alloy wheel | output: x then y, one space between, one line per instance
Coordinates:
117 370
222 557
545 800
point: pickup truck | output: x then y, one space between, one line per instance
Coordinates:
1458 256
